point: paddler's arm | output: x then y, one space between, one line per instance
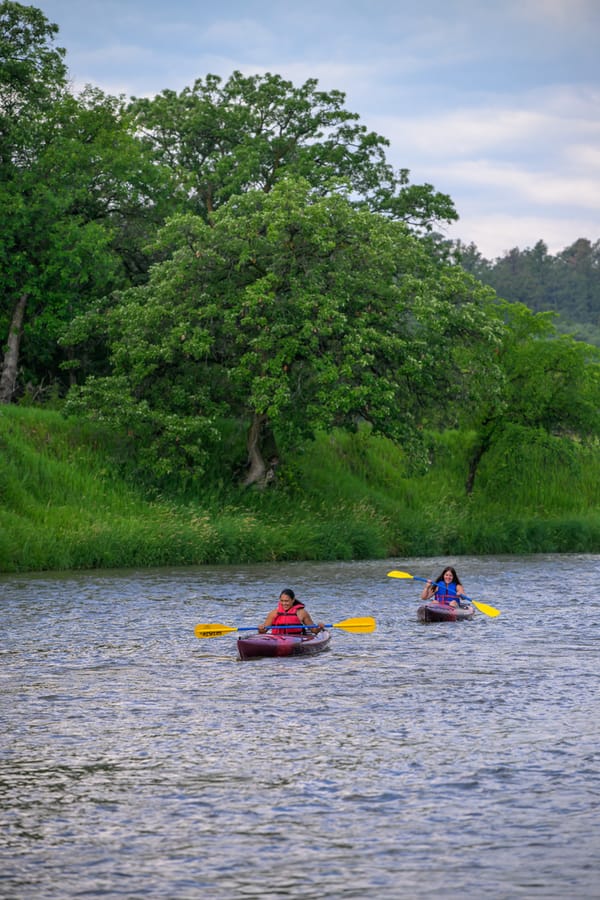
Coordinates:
306 620
460 595
268 622
428 591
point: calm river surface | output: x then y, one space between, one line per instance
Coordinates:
421 761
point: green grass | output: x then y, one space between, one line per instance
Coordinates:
69 500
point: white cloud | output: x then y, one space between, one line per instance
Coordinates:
586 157
237 31
549 119
495 104
518 186
558 12
464 132
495 235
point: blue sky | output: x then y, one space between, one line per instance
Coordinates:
495 102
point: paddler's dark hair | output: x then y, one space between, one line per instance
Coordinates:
289 592
455 578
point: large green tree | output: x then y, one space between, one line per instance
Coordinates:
74 216
79 197
291 312
32 75
32 78
225 138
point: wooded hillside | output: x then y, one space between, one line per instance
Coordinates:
567 283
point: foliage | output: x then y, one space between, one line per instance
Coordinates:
295 311
567 283
298 288
78 196
32 73
550 382
224 139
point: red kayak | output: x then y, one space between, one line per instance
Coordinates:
256 645
443 612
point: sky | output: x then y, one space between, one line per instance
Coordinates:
494 102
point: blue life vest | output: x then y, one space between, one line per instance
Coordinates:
445 593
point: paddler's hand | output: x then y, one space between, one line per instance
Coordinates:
262 629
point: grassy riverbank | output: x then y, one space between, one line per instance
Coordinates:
66 502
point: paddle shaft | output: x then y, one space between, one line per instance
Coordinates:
287 627
361 625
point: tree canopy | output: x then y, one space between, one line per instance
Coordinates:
226 138
79 196
292 312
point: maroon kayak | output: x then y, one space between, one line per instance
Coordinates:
255 645
443 612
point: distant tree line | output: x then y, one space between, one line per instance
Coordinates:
567 283
242 252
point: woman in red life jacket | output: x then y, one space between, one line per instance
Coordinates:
289 612
446 589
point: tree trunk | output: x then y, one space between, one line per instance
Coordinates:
257 469
481 448
473 466
8 378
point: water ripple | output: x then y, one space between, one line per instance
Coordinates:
422 761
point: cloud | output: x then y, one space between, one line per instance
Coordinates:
541 119
584 156
493 103
527 161
556 12
495 236
516 186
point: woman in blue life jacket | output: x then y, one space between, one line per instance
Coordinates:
446 589
289 612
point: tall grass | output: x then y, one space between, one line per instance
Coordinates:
67 501
534 492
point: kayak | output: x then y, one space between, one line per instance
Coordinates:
443 612
256 645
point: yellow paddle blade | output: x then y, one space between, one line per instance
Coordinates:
362 625
484 608
399 575
209 630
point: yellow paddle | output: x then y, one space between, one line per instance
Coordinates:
483 607
356 626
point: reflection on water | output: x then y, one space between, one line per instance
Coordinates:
420 761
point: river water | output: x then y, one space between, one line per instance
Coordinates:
444 760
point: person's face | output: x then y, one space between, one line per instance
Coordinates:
447 576
286 601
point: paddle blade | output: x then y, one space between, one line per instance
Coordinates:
359 625
484 608
210 630
399 575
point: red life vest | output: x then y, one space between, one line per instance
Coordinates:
289 617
